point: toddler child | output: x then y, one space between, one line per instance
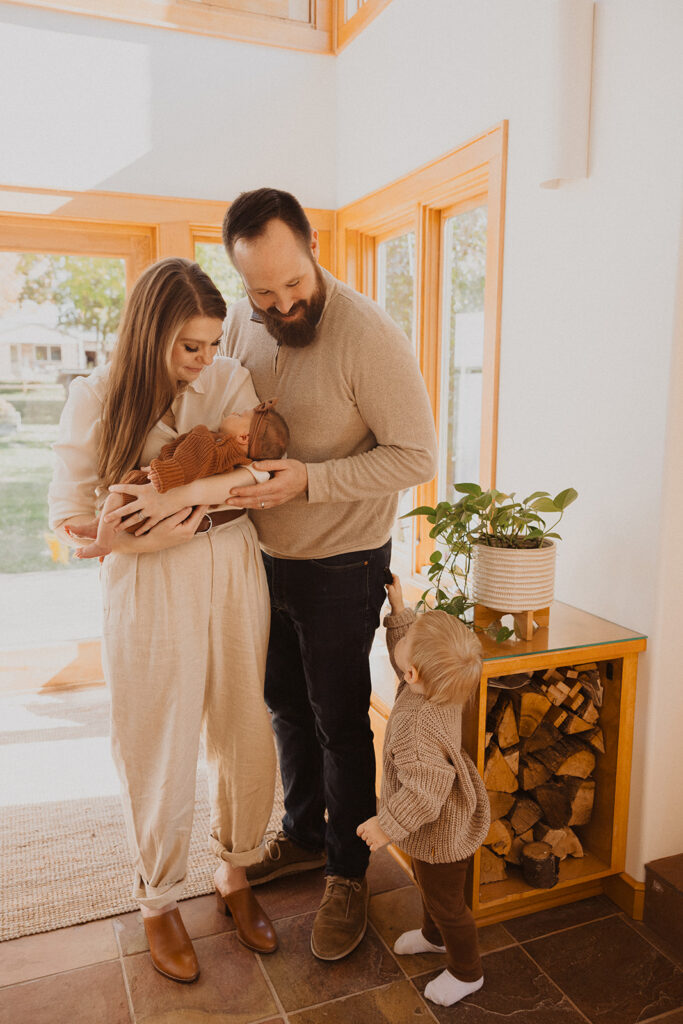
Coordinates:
433 803
259 433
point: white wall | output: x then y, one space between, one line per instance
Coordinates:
94 104
589 294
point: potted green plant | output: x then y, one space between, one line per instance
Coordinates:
492 550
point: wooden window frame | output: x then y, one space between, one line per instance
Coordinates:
473 174
328 30
135 244
139 228
346 30
322 221
210 20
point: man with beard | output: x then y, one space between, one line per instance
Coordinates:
361 430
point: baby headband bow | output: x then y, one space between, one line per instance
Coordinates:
259 422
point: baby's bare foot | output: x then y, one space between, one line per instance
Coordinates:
91 551
84 530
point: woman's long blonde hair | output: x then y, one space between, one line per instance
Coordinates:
140 391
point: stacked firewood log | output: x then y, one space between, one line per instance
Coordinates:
542 738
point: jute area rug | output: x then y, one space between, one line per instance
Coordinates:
67 862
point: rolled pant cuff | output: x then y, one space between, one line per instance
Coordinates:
157 897
243 859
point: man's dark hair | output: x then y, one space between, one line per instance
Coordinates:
250 213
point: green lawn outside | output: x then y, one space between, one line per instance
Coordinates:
26 461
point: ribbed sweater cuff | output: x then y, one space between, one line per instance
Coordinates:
389 825
404 618
166 475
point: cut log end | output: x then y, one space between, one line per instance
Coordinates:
498 775
539 865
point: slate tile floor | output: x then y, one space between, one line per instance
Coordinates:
585 962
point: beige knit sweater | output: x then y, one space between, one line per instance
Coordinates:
433 802
359 418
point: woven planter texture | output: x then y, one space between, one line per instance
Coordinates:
511 580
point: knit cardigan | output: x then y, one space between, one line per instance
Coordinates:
433 802
195 455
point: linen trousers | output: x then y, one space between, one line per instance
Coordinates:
184 649
447 920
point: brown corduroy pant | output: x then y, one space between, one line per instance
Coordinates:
447 920
184 649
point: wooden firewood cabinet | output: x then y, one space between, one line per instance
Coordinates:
572 637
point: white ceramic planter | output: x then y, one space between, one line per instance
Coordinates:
511 580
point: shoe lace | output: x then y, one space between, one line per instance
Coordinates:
273 840
345 888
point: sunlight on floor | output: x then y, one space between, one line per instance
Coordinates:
40 608
45 757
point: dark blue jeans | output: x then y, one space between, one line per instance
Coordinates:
324 613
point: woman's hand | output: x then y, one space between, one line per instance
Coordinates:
175 529
290 479
154 507
372 834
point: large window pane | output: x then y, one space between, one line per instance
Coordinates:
396 279
212 258
58 319
462 345
396 294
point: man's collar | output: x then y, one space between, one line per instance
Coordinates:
331 288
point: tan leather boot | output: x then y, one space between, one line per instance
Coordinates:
254 928
171 947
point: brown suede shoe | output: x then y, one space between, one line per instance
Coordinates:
254 928
283 857
341 919
171 947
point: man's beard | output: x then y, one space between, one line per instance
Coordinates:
300 332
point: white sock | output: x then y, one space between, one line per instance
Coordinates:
415 942
446 990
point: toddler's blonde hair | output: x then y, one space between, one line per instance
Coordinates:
446 656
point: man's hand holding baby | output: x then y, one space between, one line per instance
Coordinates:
289 479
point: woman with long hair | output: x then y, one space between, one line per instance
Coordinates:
186 608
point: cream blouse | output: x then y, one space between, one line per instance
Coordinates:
76 489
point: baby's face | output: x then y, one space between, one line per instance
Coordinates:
237 423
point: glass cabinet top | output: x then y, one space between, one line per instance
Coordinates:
569 628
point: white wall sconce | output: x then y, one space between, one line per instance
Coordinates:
566 153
